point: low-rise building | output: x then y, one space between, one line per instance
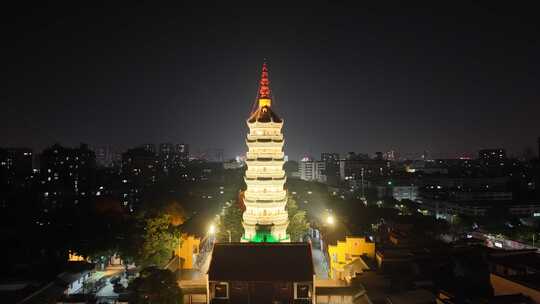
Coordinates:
392 258
531 209
446 209
342 295
405 192
505 286
261 273
398 192
233 164
418 296
187 250
344 254
515 272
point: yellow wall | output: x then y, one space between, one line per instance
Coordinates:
359 246
346 251
189 245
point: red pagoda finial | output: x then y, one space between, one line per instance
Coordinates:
264 85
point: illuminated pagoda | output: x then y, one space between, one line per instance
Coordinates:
265 218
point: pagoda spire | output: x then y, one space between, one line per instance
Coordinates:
264 88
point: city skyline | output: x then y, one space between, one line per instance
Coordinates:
137 75
316 153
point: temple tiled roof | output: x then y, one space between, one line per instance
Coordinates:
261 262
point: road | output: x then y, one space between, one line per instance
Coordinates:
320 264
106 293
498 241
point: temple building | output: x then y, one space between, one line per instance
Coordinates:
261 273
265 218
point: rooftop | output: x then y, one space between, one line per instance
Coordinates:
261 262
419 296
523 259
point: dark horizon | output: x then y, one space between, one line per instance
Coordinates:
450 80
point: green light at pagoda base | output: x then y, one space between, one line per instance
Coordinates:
264 237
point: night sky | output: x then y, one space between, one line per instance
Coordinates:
449 80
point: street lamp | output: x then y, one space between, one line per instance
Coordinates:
212 229
330 220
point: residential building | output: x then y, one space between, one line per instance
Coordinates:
67 171
405 192
492 157
149 148
352 169
182 151
140 166
104 156
312 170
166 149
213 155
331 170
167 157
16 166
390 155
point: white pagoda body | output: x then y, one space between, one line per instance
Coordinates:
265 218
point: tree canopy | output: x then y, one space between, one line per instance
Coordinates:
298 225
159 241
156 286
230 221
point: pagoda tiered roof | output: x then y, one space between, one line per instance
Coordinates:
264 114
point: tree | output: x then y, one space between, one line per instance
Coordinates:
131 241
159 241
298 225
176 212
427 227
230 221
156 286
461 223
94 228
290 166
